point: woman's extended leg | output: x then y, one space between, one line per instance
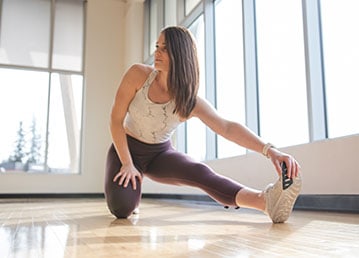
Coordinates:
176 168
121 201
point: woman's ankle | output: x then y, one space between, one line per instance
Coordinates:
250 198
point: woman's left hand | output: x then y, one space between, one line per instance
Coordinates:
277 157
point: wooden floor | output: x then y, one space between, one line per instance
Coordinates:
167 228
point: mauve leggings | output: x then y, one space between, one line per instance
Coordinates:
162 163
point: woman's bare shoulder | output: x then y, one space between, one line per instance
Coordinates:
137 74
140 70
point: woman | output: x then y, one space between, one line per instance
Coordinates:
150 103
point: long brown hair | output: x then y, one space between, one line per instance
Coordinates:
183 74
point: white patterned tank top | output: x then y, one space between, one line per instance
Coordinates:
148 121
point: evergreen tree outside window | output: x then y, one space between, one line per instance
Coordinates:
19 151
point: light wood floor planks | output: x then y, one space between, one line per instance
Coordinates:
168 228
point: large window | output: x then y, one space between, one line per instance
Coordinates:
281 72
229 70
265 67
41 85
341 65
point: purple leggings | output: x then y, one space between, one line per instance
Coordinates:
162 163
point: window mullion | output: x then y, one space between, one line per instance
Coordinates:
52 33
250 66
211 138
315 71
51 48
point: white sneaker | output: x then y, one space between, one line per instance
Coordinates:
279 202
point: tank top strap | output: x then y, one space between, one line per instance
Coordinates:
150 78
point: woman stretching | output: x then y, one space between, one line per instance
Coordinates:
150 103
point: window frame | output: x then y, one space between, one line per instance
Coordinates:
50 70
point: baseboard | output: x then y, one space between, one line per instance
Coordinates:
187 197
51 195
315 202
328 202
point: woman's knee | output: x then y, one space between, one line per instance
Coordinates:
123 211
122 201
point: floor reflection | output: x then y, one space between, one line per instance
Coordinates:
30 240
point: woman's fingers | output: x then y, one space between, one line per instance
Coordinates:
134 183
293 168
296 168
289 168
115 178
125 178
278 167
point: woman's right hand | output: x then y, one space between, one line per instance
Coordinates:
128 173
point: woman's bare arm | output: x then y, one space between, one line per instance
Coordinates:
241 135
130 83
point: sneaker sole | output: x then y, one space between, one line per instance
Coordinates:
285 203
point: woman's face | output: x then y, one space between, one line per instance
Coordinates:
162 60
